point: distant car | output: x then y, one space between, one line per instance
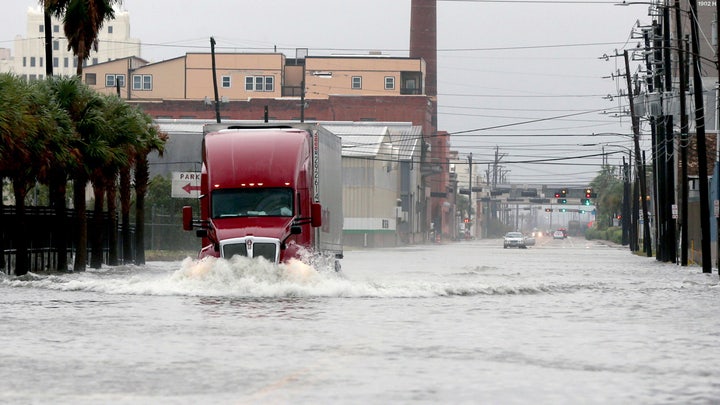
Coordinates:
529 241
514 239
559 235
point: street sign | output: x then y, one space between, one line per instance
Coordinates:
185 185
674 211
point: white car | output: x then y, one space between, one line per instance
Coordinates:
514 239
558 235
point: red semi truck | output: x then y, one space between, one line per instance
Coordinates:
269 190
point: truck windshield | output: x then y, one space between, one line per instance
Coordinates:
252 202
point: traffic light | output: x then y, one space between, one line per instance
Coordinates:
557 194
467 220
548 210
585 201
563 209
588 192
562 200
564 192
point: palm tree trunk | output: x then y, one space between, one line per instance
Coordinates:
21 248
96 239
141 183
125 215
57 186
48 43
2 228
79 185
112 228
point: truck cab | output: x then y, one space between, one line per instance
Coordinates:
265 193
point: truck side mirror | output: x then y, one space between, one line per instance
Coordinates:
315 215
187 218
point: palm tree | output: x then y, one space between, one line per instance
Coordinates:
153 141
120 121
32 130
82 21
55 164
88 145
17 128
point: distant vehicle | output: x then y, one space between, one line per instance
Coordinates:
514 239
564 231
530 240
558 235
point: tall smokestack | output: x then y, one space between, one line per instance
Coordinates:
423 44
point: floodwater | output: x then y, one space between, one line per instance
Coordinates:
563 322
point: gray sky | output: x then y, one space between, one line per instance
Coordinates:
500 64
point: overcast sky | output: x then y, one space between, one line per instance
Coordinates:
507 70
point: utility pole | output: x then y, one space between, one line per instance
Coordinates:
647 244
701 146
470 200
717 132
684 129
626 204
669 240
215 83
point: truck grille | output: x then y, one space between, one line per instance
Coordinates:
251 247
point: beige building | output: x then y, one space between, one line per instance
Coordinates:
245 76
29 52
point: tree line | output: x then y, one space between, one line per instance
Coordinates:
57 132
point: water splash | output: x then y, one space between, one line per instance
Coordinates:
242 277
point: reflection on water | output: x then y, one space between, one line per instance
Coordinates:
289 308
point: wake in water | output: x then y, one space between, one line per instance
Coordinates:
242 277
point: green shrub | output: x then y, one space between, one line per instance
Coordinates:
613 234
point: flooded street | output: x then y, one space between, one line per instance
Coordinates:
565 321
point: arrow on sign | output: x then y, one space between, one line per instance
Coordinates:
188 188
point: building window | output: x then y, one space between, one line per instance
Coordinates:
95 61
226 82
90 79
389 83
56 45
66 62
259 83
24 61
42 28
32 61
114 80
41 61
33 78
56 62
142 82
110 29
356 82
56 28
75 61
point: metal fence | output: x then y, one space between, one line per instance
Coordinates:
39 224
